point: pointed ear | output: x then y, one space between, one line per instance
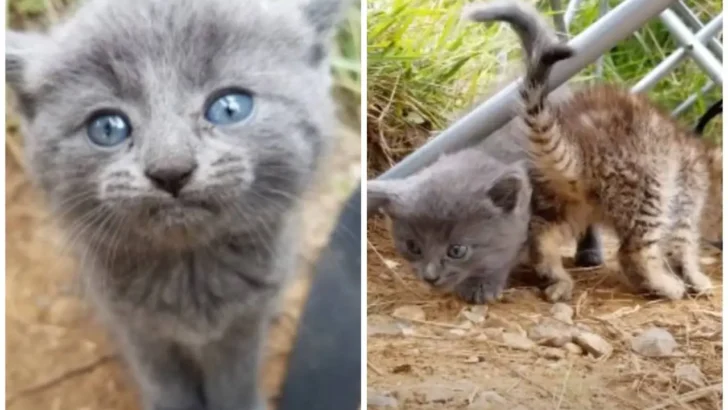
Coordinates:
383 196
506 191
325 15
20 49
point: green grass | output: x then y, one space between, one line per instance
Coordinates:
346 62
425 66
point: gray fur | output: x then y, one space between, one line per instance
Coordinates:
466 198
444 204
187 284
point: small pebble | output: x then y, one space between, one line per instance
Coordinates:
391 264
551 332
689 373
593 344
472 316
437 394
493 333
409 313
487 400
472 359
381 401
517 341
382 325
562 312
654 342
573 348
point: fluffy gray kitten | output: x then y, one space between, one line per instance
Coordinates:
476 203
461 222
174 138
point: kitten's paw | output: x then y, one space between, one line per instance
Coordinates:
479 291
559 291
699 283
588 258
668 286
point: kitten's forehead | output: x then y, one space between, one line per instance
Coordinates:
119 43
456 187
453 196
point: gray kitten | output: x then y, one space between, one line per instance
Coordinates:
458 203
174 140
461 222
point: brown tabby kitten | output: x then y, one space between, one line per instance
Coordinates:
610 157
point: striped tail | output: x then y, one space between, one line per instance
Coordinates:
555 157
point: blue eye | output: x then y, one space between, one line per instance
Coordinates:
108 130
230 108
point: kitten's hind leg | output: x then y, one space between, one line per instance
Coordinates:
589 249
684 257
545 252
642 262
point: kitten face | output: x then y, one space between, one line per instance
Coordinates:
444 253
465 216
176 121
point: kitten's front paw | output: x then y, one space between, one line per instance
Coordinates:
479 291
667 286
699 283
559 291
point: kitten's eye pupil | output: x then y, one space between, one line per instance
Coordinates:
457 251
230 108
108 130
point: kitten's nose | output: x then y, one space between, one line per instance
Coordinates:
430 273
171 179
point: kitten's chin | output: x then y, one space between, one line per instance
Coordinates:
177 225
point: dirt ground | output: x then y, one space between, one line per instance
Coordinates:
58 357
439 354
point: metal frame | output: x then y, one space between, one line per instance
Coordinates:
613 27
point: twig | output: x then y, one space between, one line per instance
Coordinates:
688 397
374 368
425 322
395 274
75 372
563 386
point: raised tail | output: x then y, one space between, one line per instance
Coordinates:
554 156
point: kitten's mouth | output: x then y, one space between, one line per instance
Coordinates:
444 283
185 212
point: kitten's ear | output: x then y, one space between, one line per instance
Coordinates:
505 191
20 49
382 196
325 15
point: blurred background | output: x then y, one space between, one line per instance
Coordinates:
58 357
424 70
